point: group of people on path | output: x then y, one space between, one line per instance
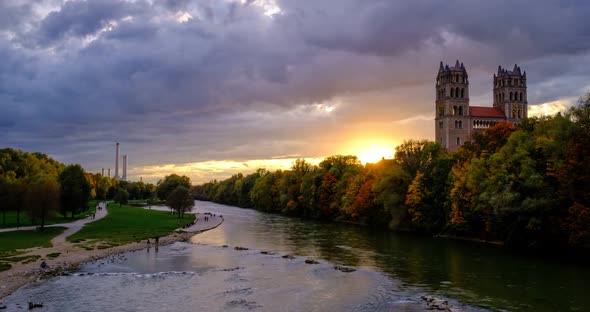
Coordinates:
208 215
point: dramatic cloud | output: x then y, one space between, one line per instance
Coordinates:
181 83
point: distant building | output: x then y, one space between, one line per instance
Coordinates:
456 121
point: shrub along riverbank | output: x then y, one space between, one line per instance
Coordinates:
524 186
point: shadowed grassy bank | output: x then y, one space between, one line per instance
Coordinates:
126 224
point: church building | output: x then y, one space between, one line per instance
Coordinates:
456 121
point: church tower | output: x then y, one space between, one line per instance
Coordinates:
452 106
510 93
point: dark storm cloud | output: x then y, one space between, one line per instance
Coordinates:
82 18
87 73
11 13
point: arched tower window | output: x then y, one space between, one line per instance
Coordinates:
461 110
452 92
454 110
462 93
510 96
521 96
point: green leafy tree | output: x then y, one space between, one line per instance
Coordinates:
42 198
180 200
170 183
74 190
122 197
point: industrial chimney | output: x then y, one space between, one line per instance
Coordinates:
124 168
102 172
117 163
109 172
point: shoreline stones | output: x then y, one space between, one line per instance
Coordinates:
34 305
288 257
240 248
434 303
344 269
311 261
224 246
231 269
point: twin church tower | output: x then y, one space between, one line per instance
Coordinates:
456 121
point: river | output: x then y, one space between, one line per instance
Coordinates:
394 271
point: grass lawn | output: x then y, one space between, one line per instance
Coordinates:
57 219
128 224
11 242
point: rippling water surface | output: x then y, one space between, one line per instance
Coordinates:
393 272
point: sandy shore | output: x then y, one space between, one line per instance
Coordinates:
72 256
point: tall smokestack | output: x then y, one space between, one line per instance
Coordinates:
102 172
124 167
117 162
109 172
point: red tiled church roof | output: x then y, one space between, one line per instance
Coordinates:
478 111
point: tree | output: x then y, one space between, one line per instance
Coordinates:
74 190
301 167
122 197
180 200
42 197
4 196
103 187
428 196
416 155
170 183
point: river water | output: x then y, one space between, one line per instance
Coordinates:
394 271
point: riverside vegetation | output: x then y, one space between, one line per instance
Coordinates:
522 186
37 190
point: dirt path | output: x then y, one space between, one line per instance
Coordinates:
72 227
77 225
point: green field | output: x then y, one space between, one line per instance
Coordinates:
25 220
12 242
127 224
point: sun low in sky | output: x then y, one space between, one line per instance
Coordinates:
373 154
369 150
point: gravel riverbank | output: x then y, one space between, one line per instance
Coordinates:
70 256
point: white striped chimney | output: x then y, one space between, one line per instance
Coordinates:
117 162
124 168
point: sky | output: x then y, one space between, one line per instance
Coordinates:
210 88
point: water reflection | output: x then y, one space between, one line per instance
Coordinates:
479 275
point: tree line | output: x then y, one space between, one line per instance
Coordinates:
527 185
39 187
36 185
